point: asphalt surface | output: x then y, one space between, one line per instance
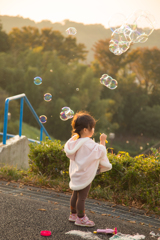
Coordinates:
26 211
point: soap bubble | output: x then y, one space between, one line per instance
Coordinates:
43 119
116 21
37 80
77 89
108 81
51 70
105 79
47 97
71 31
140 23
134 29
119 42
66 113
137 37
113 84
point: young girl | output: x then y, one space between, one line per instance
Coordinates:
86 157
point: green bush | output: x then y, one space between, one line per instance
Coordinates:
48 159
132 179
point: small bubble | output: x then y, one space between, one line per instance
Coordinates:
66 113
71 31
43 119
37 80
51 70
127 141
47 97
141 148
77 89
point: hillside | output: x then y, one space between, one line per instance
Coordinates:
87 34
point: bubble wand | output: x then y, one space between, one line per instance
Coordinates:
107 230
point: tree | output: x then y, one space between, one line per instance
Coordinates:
22 39
50 40
147 67
107 62
4 41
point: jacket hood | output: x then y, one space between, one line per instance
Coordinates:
72 145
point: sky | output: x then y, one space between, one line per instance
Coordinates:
85 11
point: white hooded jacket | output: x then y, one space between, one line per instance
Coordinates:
85 157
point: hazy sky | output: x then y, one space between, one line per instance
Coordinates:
85 11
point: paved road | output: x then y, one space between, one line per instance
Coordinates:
22 217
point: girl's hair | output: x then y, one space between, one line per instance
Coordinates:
80 121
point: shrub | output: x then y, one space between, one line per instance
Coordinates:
131 180
48 158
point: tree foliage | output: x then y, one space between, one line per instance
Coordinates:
58 60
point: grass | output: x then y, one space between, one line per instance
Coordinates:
27 130
32 132
10 173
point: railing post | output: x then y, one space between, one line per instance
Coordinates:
41 134
21 116
5 121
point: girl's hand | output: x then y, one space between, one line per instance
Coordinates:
103 139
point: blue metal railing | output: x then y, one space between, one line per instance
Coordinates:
22 97
12 135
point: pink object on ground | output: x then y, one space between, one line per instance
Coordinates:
46 233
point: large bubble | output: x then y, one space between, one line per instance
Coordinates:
120 42
37 80
71 31
141 24
66 113
134 29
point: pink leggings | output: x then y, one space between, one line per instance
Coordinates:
77 201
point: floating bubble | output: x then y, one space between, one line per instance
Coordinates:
140 23
116 21
108 81
77 89
37 80
63 116
43 119
105 79
66 113
47 97
51 70
113 84
141 148
137 37
71 31
119 42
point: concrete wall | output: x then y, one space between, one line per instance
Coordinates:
15 152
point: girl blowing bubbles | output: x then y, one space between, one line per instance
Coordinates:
86 157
